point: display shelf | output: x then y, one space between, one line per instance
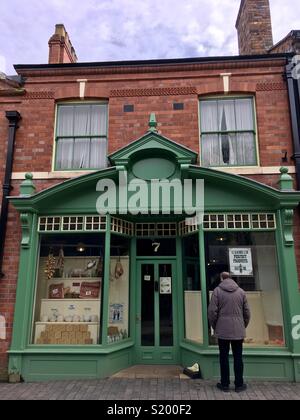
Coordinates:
71 300
66 323
74 278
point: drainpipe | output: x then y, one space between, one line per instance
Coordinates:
13 118
294 99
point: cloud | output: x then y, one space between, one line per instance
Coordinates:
130 29
2 63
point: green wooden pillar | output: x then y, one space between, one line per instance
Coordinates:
105 297
180 301
132 290
203 286
289 282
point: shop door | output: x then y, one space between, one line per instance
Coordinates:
156 317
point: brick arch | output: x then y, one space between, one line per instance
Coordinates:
72 93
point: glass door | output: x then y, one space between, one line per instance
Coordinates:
156 318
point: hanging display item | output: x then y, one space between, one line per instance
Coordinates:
240 261
60 262
50 266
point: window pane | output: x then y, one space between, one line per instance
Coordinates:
69 290
98 153
211 150
65 121
82 119
192 290
98 120
244 114
64 154
81 153
209 116
245 149
118 325
257 274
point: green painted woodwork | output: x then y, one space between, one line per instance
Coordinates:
286 181
27 187
153 168
223 193
152 123
156 354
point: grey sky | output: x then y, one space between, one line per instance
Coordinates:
103 30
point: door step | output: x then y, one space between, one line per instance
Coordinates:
152 372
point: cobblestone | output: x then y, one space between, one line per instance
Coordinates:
144 389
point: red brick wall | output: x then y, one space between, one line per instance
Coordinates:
34 140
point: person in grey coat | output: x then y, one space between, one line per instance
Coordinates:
229 316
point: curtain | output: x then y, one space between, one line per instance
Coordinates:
64 154
81 158
98 153
65 121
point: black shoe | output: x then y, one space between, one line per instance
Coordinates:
223 388
241 388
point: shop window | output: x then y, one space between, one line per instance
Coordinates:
252 260
69 289
192 289
228 132
81 136
118 316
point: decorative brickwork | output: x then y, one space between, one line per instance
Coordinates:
40 95
120 93
269 86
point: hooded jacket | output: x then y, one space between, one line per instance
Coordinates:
228 311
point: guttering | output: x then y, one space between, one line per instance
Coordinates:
159 62
13 118
294 100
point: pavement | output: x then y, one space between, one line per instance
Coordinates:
135 389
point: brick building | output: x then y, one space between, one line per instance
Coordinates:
85 295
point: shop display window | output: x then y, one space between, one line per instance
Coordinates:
192 289
251 259
118 305
69 289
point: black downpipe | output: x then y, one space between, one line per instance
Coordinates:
13 118
294 98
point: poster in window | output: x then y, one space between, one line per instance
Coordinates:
240 261
165 285
116 313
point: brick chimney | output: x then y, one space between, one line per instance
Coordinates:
254 27
60 47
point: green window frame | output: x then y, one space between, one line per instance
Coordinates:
81 136
228 136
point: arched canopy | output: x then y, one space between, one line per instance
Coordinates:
155 157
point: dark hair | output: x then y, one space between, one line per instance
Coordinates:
225 275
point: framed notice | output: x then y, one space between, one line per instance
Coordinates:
240 261
165 285
116 313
